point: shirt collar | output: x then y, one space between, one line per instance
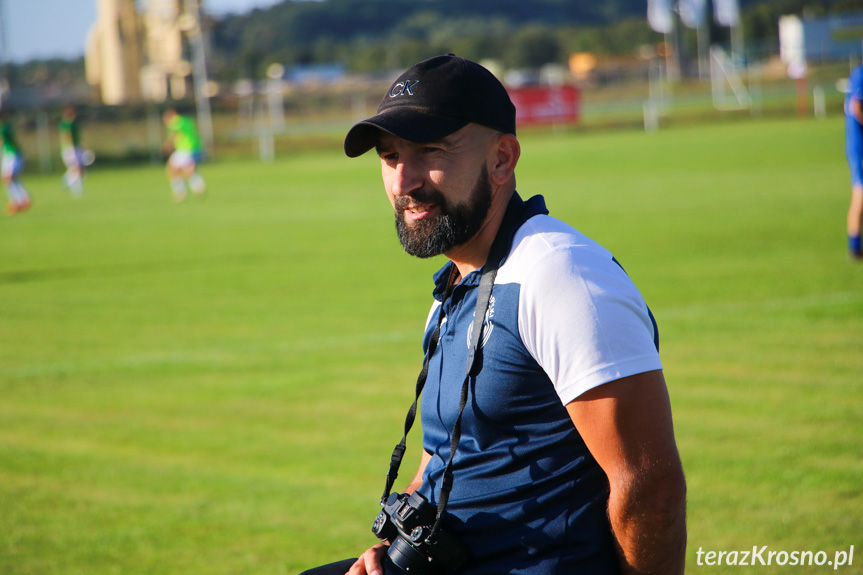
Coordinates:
518 211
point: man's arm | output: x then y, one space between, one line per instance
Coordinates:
626 425
418 478
856 109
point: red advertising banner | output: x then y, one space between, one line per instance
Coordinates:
546 104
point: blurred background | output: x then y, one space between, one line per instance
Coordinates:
261 72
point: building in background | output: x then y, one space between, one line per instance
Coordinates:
167 72
141 54
114 51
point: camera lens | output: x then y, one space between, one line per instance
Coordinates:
405 557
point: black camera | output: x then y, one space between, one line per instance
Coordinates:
406 521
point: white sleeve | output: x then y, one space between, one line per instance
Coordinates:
584 321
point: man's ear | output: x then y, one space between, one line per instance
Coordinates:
504 159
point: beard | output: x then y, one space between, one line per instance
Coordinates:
455 225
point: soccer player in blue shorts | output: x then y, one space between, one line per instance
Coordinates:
854 154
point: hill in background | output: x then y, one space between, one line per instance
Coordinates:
368 35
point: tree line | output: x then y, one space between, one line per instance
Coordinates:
374 35
369 35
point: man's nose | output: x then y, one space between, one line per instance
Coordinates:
406 178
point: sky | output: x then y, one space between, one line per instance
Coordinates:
38 29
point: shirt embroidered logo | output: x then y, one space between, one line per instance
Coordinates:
487 325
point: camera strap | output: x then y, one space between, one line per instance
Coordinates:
483 297
399 451
498 250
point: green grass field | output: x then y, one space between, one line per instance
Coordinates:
215 387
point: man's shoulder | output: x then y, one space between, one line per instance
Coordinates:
544 238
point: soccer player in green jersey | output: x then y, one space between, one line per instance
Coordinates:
75 156
11 166
187 151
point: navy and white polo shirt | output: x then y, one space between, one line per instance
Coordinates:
564 317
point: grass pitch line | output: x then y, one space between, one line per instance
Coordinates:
234 354
211 356
769 305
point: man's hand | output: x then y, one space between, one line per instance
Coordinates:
370 562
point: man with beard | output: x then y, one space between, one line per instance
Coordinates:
547 430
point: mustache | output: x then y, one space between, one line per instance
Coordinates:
430 196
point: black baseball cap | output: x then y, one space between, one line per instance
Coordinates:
433 99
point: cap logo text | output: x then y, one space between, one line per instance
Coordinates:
403 89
